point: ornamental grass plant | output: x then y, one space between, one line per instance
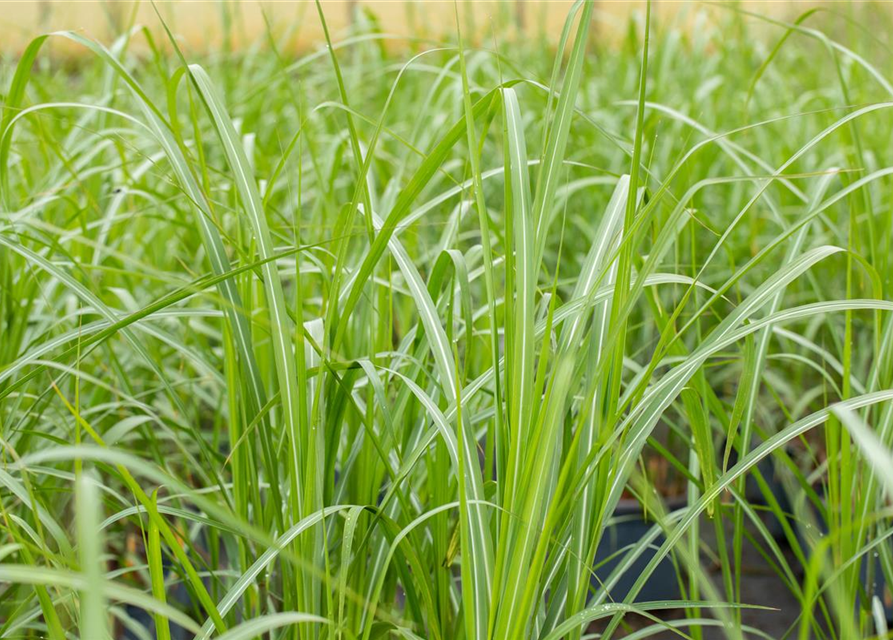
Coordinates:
369 341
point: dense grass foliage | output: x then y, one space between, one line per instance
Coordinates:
371 341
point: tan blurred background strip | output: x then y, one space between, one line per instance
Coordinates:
205 24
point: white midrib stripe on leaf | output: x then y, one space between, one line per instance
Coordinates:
585 285
552 160
444 359
568 339
607 234
213 246
278 319
526 281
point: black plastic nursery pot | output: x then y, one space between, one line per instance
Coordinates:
628 527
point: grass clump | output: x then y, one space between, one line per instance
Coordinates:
371 343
